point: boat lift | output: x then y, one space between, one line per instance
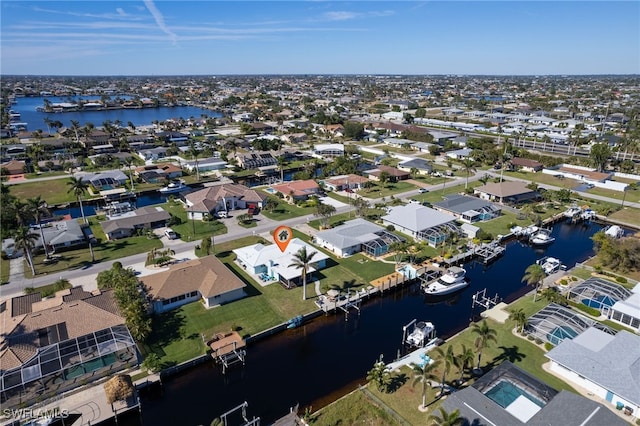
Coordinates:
404 330
350 304
253 422
481 299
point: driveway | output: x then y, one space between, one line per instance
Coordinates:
332 202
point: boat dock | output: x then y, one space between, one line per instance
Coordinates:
228 349
487 252
419 356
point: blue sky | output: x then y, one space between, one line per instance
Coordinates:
165 37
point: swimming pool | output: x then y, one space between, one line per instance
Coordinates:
560 333
600 302
504 393
270 190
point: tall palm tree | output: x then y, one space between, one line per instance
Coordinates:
424 374
281 163
25 240
195 153
78 187
75 126
534 275
519 317
446 418
302 260
129 162
463 360
38 208
469 166
448 358
485 334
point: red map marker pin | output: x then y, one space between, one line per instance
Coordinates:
282 236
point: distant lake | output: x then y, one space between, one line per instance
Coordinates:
139 117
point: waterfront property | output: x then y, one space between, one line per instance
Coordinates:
61 235
268 264
210 201
507 192
104 181
468 209
627 311
605 365
53 345
507 395
354 236
128 223
422 223
206 278
157 173
598 293
555 323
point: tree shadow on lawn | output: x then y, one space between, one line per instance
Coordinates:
396 382
511 354
166 329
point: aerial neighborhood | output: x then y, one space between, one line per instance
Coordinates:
257 211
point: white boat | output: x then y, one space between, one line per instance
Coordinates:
174 187
542 237
573 211
422 334
614 231
550 264
452 280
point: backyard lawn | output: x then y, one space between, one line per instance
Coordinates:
284 210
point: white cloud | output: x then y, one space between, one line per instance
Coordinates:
346 16
160 19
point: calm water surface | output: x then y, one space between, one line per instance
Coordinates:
317 363
139 117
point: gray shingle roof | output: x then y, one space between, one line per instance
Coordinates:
351 233
463 203
615 366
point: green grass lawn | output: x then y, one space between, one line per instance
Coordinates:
52 191
285 210
5 271
380 191
190 230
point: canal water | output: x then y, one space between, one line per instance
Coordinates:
147 199
26 106
328 357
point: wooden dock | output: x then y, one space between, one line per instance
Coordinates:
228 349
487 252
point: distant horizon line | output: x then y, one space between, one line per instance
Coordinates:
323 74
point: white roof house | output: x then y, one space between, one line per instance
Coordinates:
607 366
355 236
422 222
270 263
627 311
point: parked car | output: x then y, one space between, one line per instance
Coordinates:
170 234
423 190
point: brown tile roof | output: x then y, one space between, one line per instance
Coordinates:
206 199
298 187
392 171
525 162
77 318
597 176
208 275
505 189
343 180
23 304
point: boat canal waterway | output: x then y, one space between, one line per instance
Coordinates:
328 357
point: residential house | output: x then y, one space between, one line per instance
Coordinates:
155 173
468 209
350 182
422 166
209 201
393 174
204 164
627 311
62 235
298 190
328 150
106 180
526 164
506 192
605 365
153 154
354 236
531 402
271 264
13 167
459 154
127 224
422 223
256 159
334 130
205 278
53 345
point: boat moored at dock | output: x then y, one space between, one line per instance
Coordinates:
541 237
451 281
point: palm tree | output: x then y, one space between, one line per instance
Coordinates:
38 208
25 240
533 275
463 360
519 317
78 187
446 419
129 162
379 375
75 126
424 374
469 166
281 163
195 153
485 334
448 358
302 260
